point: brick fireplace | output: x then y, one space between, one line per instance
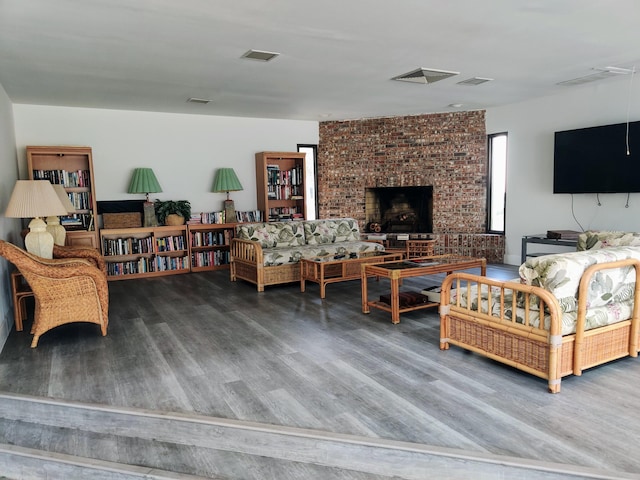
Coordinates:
446 151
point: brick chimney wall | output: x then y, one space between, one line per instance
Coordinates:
444 150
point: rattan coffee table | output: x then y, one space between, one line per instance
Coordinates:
329 269
415 267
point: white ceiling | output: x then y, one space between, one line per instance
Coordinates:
337 57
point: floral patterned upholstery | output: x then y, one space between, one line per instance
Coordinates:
610 297
604 239
272 234
320 232
288 242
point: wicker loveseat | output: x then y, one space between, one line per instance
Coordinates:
591 305
268 253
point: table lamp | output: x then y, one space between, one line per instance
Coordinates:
145 181
36 198
227 181
58 232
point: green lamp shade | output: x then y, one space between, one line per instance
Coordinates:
226 181
144 181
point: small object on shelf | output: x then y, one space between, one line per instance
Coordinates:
565 234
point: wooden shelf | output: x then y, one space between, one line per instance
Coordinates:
145 251
209 246
71 167
280 183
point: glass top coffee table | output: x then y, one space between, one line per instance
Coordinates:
415 267
330 268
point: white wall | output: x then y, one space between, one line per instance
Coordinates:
9 227
531 206
183 150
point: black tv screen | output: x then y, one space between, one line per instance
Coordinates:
595 160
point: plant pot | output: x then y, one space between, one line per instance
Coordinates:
173 220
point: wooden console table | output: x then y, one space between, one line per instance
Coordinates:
417 267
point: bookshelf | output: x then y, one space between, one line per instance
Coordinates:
280 185
209 245
145 252
71 167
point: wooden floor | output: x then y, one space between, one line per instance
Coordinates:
200 343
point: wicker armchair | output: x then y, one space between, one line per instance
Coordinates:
66 290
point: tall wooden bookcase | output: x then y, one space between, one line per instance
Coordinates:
280 184
71 167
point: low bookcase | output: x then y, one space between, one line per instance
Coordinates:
209 245
145 252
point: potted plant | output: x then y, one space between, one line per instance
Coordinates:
173 212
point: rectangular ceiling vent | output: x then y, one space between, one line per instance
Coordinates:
601 73
473 81
203 101
425 75
260 55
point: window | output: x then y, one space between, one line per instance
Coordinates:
311 183
497 182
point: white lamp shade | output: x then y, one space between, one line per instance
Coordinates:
34 198
64 198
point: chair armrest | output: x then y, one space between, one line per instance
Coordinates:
246 251
91 254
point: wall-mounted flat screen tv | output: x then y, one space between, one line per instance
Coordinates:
595 160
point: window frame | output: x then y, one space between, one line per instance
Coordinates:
314 148
490 181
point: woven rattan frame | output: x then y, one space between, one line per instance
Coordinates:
66 290
541 352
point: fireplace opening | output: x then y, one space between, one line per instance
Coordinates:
399 209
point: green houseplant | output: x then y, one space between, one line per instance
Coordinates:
172 212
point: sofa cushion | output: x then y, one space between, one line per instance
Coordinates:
320 232
560 274
286 255
604 239
272 234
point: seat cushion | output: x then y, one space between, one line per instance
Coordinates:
285 255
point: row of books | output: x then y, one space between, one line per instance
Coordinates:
127 246
212 218
171 243
275 176
76 178
146 265
285 192
286 213
80 200
77 221
207 239
214 257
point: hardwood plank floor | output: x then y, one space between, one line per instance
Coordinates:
200 343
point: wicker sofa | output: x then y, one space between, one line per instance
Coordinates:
268 253
591 305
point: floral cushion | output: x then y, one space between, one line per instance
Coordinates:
272 234
560 274
285 255
604 239
321 232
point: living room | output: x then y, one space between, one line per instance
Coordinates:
185 149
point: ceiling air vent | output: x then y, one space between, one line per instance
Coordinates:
260 55
473 81
601 73
424 75
203 101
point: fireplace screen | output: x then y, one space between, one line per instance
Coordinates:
399 209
